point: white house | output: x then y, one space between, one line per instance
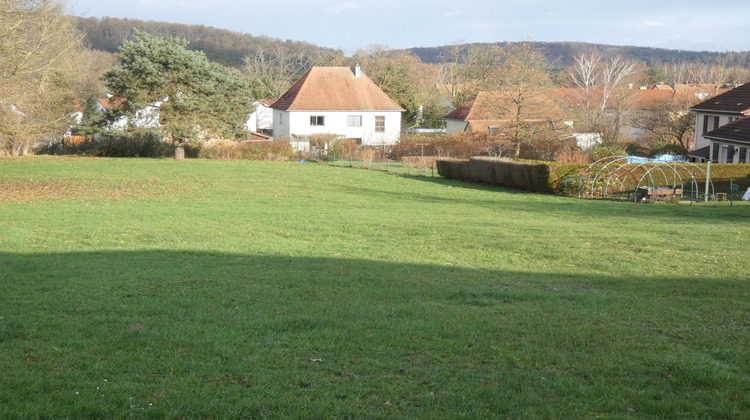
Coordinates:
722 128
339 102
261 119
147 117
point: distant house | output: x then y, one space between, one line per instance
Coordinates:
722 129
492 113
261 119
147 117
336 102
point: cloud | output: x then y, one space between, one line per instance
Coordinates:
343 7
651 23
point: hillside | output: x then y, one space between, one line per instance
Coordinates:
108 33
561 53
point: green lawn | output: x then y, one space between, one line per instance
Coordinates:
228 289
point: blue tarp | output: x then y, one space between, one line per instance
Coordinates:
657 159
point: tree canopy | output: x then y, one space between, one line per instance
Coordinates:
39 50
202 98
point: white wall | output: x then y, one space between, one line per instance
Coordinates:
700 141
453 126
261 118
297 123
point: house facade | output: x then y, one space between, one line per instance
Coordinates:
336 102
722 129
146 117
261 119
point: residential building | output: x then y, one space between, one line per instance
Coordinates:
722 129
261 119
336 102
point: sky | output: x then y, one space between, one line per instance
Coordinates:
350 25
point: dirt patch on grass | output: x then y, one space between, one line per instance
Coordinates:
21 191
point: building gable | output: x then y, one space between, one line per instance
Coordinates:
335 89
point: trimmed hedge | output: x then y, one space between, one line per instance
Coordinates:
557 178
453 169
530 176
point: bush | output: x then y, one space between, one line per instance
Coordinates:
133 144
419 162
530 176
572 156
457 145
457 169
601 152
247 150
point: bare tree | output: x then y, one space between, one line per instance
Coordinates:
602 84
670 121
38 50
271 71
521 80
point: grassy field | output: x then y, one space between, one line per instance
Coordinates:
227 289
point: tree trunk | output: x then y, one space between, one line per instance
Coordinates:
179 152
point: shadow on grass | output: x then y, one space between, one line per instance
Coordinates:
199 334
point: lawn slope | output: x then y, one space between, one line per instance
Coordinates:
207 289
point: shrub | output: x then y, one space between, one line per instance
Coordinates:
139 143
457 145
366 156
529 176
419 162
457 169
346 148
572 156
247 150
600 152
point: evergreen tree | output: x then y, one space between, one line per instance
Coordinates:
202 98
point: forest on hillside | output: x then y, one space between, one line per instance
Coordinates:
562 54
222 45
107 34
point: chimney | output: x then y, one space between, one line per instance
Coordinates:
357 71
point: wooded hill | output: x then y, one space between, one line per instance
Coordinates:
107 34
561 54
222 45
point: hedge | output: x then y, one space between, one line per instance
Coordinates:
556 178
530 176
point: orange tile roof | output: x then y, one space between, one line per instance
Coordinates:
497 106
268 102
111 103
335 89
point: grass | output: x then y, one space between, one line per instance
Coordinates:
227 289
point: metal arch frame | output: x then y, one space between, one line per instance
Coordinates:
650 166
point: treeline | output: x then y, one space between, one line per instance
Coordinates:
229 47
562 54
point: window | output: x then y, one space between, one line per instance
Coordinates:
495 130
715 153
380 124
705 124
317 120
729 154
354 121
743 155
716 122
